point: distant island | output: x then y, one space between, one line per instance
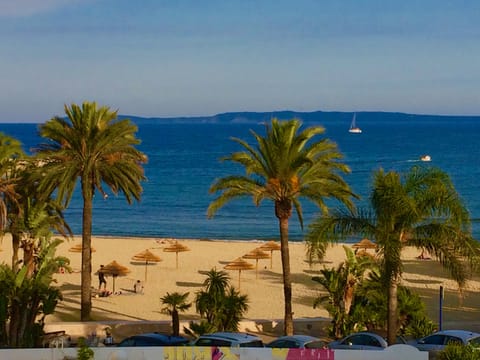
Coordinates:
248 117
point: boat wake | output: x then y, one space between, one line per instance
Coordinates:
423 158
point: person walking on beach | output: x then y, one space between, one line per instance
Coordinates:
101 279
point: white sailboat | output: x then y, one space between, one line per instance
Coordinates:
353 126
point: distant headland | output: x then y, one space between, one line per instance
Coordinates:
248 117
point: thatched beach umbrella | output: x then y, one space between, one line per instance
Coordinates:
239 264
256 254
364 253
77 248
364 244
147 257
176 247
114 269
271 246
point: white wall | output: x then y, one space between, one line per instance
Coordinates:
395 352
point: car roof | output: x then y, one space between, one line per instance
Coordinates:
153 339
364 333
368 333
464 334
303 338
160 336
234 336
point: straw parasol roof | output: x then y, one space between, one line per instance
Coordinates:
114 269
364 244
239 264
176 247
77 248
364 253
271 246
147 257
256 254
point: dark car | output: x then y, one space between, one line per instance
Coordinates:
297 342
360 341
229 339
153 339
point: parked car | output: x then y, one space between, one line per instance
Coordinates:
228 339
297 342
154 339
438 340
360 341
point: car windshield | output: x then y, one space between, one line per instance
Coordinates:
453 340
475 341
255 343
315 345
284 344
434 340
362 339
212 342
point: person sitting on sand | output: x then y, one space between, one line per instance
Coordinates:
104 293
138 287
422 256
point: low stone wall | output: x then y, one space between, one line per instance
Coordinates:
266 329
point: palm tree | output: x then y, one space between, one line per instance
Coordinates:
220 304
10 148
11 163
10 153
36 223
234 306
175 303
420 208
371 302
341 284
32 214
209 300
284 166
91 145
27 300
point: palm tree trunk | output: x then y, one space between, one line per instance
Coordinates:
28 257
15 247
175 323
86 281
287 281
392 309
15 319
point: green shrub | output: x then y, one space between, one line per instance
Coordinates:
459 352
84 352
420 327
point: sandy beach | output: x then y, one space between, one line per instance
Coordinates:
264 288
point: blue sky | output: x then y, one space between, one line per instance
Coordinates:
202 57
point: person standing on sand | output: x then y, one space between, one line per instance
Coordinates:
101 279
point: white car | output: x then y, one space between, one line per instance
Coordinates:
437 341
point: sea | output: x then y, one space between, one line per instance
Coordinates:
185 159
